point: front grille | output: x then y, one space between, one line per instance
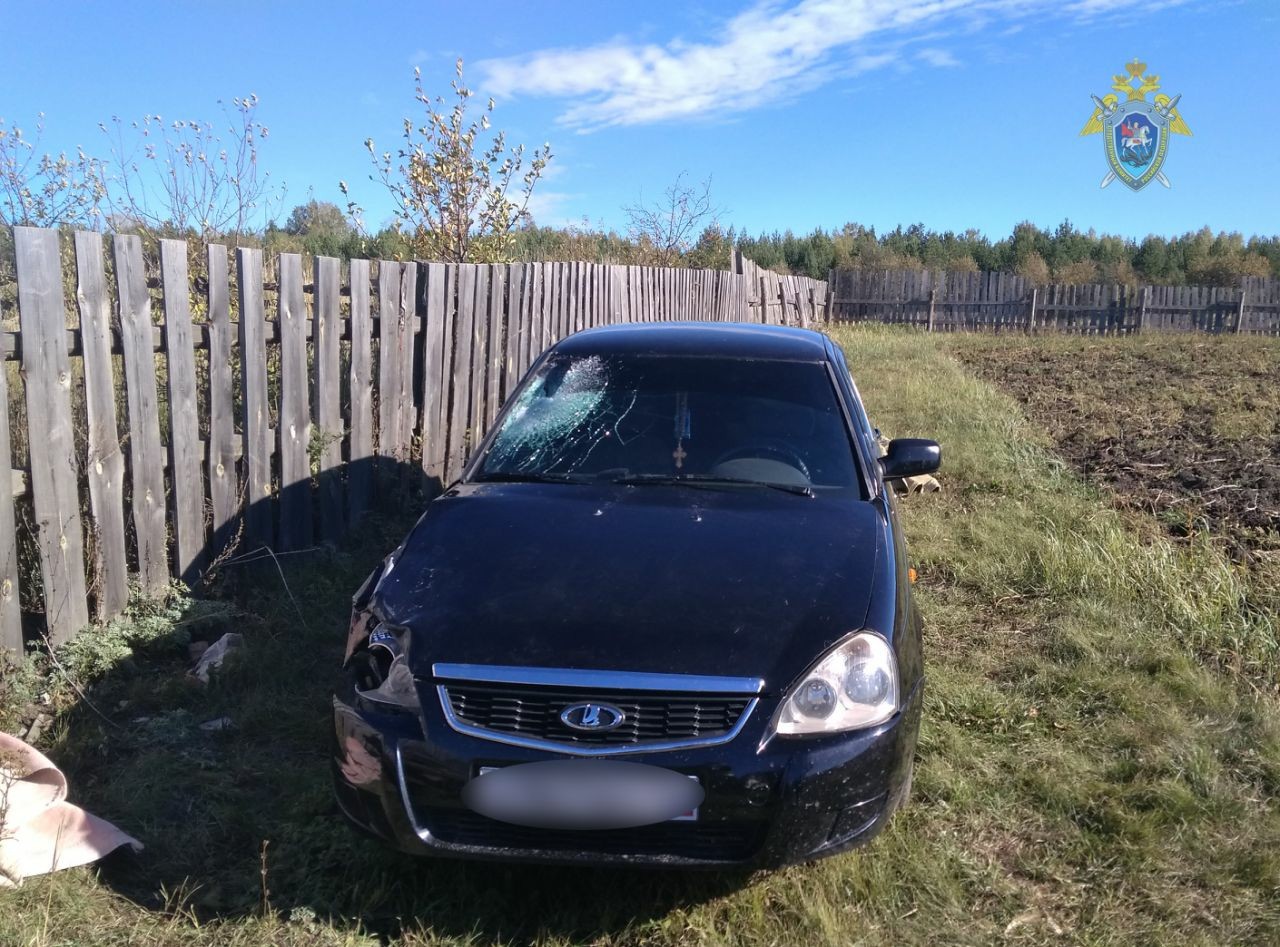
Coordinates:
534 712
700 841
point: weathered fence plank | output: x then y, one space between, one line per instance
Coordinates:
185 451
397 287
564 301
497 342
434 382
406 334
464 328
146 455
224 488
258 527
10 600
545 318
530 311
577 276
104 461
51 437
513 329
479 357
294 424
447 365
389 363
360 447
326 334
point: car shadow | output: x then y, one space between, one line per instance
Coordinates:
228 784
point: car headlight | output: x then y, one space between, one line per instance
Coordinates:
853 685
383 678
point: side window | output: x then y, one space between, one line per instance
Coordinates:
868 434
870 447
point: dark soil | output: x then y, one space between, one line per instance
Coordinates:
1186 428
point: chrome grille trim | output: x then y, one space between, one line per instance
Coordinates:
594 683
578 749
604 680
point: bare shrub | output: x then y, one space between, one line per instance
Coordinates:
665 228
459 198
190 175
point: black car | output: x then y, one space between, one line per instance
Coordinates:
673 577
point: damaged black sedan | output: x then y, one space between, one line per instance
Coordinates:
663 618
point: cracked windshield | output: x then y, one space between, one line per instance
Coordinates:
636 418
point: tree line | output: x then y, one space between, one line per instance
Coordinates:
1063 254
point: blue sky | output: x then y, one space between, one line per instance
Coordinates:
806 113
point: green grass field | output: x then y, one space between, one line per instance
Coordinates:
1099 759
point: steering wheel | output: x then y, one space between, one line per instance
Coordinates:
774 450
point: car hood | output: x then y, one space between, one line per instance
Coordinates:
640 578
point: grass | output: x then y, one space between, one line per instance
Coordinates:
1099 757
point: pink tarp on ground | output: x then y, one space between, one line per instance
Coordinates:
39 830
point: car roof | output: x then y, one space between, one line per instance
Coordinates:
725 339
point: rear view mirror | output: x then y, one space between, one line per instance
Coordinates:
910 457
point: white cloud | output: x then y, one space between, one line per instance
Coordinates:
547 207
767 53
937 57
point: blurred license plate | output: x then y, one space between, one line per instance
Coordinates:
690 816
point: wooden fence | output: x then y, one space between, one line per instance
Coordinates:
942 301
269 403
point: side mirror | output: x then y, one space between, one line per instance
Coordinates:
910 457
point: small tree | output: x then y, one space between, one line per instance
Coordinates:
666 227
453 193
1032 266
1079 271
42 190
190 175
317 219
713 249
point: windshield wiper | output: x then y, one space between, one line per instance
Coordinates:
710 480
516 476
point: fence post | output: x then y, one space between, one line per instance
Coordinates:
933 301
1142 309
1240 312
1031 318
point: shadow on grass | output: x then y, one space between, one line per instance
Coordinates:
241 820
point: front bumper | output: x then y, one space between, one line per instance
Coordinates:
768 803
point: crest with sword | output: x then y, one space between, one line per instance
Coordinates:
1137 131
